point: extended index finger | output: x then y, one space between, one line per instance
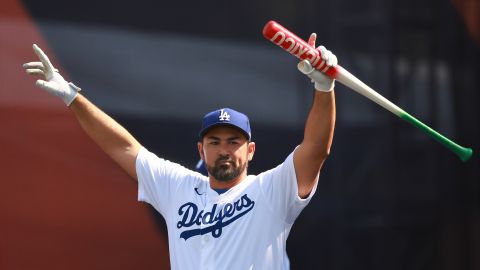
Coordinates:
47 65
312 39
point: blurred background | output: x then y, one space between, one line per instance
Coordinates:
389 197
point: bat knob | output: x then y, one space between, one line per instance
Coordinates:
305 67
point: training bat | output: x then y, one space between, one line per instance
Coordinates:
285 39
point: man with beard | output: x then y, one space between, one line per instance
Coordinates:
228 219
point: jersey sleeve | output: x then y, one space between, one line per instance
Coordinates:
158 179
279 186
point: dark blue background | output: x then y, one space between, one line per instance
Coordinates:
389 196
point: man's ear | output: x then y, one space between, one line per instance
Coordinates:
251 150
200 150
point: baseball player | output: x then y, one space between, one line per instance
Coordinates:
228 219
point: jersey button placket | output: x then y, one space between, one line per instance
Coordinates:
206 244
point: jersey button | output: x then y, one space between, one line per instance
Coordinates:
205 239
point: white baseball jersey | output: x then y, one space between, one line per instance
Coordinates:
244 228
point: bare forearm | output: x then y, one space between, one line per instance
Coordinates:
319 128
114 140
107 133
318 137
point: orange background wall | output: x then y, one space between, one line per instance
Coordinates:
63 203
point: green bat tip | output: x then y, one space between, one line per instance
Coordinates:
465 154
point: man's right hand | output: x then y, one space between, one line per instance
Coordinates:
322 82
53 82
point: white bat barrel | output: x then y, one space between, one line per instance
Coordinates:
352 82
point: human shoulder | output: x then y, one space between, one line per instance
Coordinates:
164 168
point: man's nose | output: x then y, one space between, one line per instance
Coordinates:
223 157
224 149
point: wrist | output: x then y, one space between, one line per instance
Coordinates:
325 86
71 93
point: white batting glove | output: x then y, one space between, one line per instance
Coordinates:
54 83
322 82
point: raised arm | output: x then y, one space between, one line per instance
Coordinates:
114 140
319 128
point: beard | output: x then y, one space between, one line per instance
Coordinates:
225 173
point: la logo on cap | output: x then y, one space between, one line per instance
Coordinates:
224 116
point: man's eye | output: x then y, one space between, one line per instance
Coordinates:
214 143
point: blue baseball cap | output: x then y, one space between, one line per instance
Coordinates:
226 117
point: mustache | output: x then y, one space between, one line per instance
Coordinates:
223 158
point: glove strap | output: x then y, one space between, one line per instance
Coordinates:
324 85
72 93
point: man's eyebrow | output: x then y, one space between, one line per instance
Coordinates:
215 138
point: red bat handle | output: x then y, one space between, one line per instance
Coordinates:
287 40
